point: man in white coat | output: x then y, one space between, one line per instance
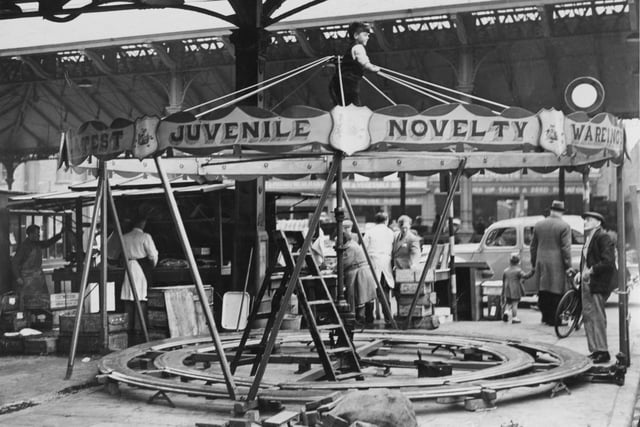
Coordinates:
378 241
142 256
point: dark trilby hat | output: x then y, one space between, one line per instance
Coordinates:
557 205
592 214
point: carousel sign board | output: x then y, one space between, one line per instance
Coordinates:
245 127
454 127
603 133
304 130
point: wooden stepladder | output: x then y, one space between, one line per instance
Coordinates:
335 350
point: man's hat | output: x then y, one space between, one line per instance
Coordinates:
592 214
557 205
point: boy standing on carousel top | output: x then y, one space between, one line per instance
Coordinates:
352 67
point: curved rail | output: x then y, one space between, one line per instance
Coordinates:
509 364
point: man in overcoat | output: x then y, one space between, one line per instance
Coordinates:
597 277
406 245
551 260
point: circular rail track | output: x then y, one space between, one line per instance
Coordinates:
191 366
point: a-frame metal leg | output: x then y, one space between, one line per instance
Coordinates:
293 280
386 308
186 247
118 230
273 259
85 276
436 236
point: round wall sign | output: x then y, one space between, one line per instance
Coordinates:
584 94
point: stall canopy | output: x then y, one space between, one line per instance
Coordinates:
246 141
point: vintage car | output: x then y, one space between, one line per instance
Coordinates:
505 237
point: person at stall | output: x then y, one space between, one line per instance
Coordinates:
360 287
378 241
27 265
352 67
551 259
597 276
142 256
406 245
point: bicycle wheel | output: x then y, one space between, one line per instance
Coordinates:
567 313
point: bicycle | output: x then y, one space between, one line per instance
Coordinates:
568 316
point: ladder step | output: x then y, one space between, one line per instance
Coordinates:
337 350
311 277
320 302
329 326
348 376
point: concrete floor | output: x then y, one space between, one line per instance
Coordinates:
34 393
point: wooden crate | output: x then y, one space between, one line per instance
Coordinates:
8 303
91 323
40 301
66 312
11 345
57 301
407 275
418 311
40 345
39 319
13 322
407 299
72 299
410 288
92 343
158 318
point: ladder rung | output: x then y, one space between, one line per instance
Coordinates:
320 301
348 375
339 350
330 326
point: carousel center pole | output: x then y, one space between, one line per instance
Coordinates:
344 307
85 274
186 247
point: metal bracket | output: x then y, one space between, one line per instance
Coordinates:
163 395
560 386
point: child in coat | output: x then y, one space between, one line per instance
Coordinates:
513 279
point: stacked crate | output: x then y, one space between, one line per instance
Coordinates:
90 338
43 312
11 319
158 326
407 282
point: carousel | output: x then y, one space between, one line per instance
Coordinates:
217 140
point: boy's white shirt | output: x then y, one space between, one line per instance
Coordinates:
359 53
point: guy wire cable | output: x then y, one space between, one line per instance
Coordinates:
378 90
448 89
262 88
306 66
402 83
315 73
421 89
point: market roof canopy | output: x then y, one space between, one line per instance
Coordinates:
450 128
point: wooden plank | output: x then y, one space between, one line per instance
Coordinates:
281 418
181 313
